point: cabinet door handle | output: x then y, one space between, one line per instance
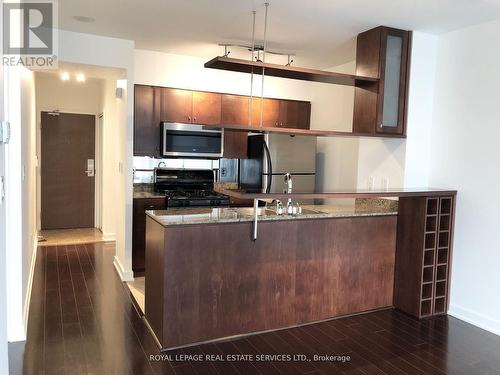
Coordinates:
189 118
381 125
194 118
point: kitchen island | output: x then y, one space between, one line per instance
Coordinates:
208 278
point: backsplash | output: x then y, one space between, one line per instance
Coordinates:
144 166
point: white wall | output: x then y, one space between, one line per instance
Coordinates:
465 156
337 158
4 360
383 160
109 157
29 184
68 96
420 109
20 202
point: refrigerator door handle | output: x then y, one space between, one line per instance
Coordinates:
269 168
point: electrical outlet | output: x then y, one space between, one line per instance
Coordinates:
223 172
371 183
385 183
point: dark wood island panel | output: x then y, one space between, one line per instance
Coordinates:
210 281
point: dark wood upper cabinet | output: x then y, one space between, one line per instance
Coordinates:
206 108
154 105
270 112
294 114
176 105
380 107
276 112
235 110
147 102
235 144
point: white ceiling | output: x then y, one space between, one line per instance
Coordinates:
320 32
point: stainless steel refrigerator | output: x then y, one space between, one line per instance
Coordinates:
271 156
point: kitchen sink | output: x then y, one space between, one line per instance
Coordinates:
307 211
262 211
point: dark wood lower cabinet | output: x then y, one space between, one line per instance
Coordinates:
423 255
211 281
140 206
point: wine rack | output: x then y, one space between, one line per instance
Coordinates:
423 255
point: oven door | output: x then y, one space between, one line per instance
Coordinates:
192 141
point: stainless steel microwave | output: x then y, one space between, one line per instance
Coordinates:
191 141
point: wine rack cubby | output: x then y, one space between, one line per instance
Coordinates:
423 255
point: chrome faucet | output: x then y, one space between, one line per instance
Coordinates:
288 190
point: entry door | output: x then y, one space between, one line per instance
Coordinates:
67 170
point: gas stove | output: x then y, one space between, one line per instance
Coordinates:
189 188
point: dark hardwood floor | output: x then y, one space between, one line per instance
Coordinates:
82 321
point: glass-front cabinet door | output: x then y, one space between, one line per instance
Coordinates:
392 88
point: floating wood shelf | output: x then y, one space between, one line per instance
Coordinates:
292 72
294 131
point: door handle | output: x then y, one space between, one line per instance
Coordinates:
90 168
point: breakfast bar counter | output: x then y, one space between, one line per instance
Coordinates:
208 278
189 216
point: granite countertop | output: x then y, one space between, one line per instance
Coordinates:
146 191
187 216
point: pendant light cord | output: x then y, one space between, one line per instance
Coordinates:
250 100
263 68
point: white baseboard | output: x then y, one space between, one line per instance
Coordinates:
30 281
124 275
475 318
108 236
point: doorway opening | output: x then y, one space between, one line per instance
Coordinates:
76 146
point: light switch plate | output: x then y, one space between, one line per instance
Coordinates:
4 132
2 189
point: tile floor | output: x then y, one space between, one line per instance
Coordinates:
137 288
69 236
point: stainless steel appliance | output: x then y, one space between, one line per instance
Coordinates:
191 141
188 188
272 156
